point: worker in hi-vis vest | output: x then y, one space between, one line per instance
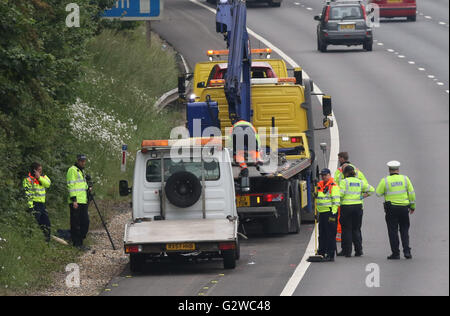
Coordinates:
78 202
327 201
246 145
400 201
353 191
35 186
339 176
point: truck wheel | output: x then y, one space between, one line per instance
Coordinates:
229 259
137 262
296 208
183 189
282 224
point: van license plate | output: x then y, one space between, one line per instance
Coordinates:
242 201
180 246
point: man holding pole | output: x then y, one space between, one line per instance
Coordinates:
78 202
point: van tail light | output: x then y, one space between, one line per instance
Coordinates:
227 246
363 8
133 249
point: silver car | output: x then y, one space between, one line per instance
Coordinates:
343 23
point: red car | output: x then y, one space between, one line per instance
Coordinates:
397 8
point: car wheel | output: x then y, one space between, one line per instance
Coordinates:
137 262
274 4
229 259
368 46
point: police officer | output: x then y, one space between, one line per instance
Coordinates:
353 190
343 162
400 201
339 176
328 200
78 202
35 185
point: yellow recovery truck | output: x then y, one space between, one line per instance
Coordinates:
259 91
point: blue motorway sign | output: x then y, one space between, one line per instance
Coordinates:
135 10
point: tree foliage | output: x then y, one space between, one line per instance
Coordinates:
40 66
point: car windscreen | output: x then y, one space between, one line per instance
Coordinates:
153 169
346 13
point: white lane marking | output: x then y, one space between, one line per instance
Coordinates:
186 67
421 69
440 83
380 44
411 62
296 3
390 50
442 23
401 56
300 271
309 9
431 76
428 17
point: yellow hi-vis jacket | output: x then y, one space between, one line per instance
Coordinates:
398 190
352 190
76 185
339 174
35 189
328 197
243 124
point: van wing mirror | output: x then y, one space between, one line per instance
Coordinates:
317 18
326 105
124 190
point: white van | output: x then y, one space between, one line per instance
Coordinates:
183 204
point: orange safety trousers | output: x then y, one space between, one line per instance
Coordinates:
339 227
254 155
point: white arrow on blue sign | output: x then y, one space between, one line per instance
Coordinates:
135 10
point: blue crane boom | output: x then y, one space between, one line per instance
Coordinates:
231 20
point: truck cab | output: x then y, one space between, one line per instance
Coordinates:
183 203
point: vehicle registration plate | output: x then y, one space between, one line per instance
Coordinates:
347 26
180 246
242 201
394 1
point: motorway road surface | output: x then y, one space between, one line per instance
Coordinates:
392 103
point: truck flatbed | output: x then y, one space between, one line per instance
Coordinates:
287 170
180 231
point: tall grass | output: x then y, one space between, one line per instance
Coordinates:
124 80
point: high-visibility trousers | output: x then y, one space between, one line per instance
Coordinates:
339 227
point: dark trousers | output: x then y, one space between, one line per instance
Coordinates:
79 223
41 216
351 222
327 234
397 218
